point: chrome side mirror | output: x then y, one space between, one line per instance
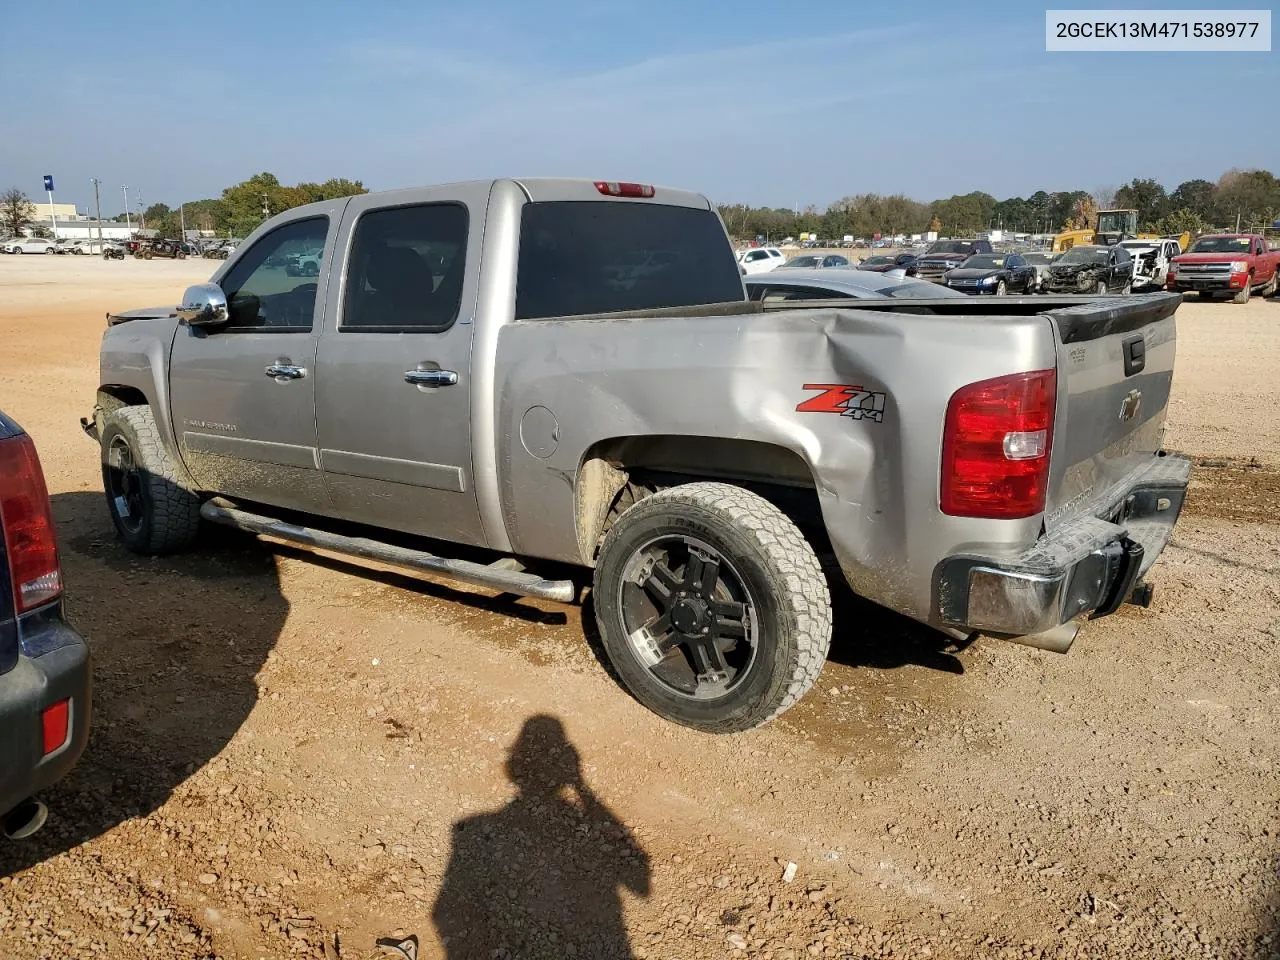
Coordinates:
204 305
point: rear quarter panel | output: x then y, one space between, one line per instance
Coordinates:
743 376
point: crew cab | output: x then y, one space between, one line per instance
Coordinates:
1226 263
943 255
44 663
569 371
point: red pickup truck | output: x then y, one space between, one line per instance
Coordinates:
1236 263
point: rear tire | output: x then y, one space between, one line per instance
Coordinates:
152 508
720 656
1245 292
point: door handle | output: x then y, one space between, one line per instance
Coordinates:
431 378
282 371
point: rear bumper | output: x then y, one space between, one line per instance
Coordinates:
57 669
1090 565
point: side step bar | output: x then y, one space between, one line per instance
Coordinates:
498 575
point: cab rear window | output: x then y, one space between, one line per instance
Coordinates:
586 257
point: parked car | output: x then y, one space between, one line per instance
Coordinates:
30 245
44 663
992 273
160 249
835 284
1151 260
1092 269
308 264
64 245
85 247
811 261
760 260
943 255
471 369
1041 262
1234 263
883 263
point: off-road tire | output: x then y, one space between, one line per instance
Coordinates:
778 567
170 516
1246 291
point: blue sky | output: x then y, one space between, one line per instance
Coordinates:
760 102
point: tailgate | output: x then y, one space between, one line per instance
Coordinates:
1115 368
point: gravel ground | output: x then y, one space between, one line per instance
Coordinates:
294 754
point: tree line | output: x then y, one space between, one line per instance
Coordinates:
236 213
1197 206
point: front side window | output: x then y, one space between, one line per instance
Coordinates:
261 295
406 269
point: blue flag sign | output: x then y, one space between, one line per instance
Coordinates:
48 183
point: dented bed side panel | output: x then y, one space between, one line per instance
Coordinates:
858 395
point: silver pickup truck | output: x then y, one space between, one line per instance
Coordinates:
562 370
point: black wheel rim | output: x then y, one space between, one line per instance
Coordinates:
124 485
689 617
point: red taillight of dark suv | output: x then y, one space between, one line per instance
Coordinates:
995 447
27 521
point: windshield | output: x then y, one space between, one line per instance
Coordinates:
1085 255
983 261
803 262
951 246
585 257
1221 245
1118 221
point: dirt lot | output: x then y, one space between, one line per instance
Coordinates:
292 750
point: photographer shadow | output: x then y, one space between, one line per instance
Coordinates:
541 876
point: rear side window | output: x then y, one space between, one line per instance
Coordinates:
406 269
585 257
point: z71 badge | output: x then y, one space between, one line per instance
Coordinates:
846 400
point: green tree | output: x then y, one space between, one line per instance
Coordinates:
1147 197
16 212
1252 196
1176 222
1196 196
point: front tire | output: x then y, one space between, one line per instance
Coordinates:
1245 292
1001 289
712 607
153 511
1126 289
1101 288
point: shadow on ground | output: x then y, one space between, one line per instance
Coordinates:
541 876
176 644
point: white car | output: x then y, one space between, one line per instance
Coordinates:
30 245
1151 259
760 260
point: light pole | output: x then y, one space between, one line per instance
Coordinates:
142 217
127 222
97 202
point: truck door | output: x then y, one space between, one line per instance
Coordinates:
393 399
243 395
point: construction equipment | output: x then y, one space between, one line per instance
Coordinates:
1112 227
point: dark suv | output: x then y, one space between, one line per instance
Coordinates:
44 664
944 255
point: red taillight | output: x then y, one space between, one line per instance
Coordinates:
611 188
54 722
995 447
28 525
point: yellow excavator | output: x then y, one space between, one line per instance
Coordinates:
1113 226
